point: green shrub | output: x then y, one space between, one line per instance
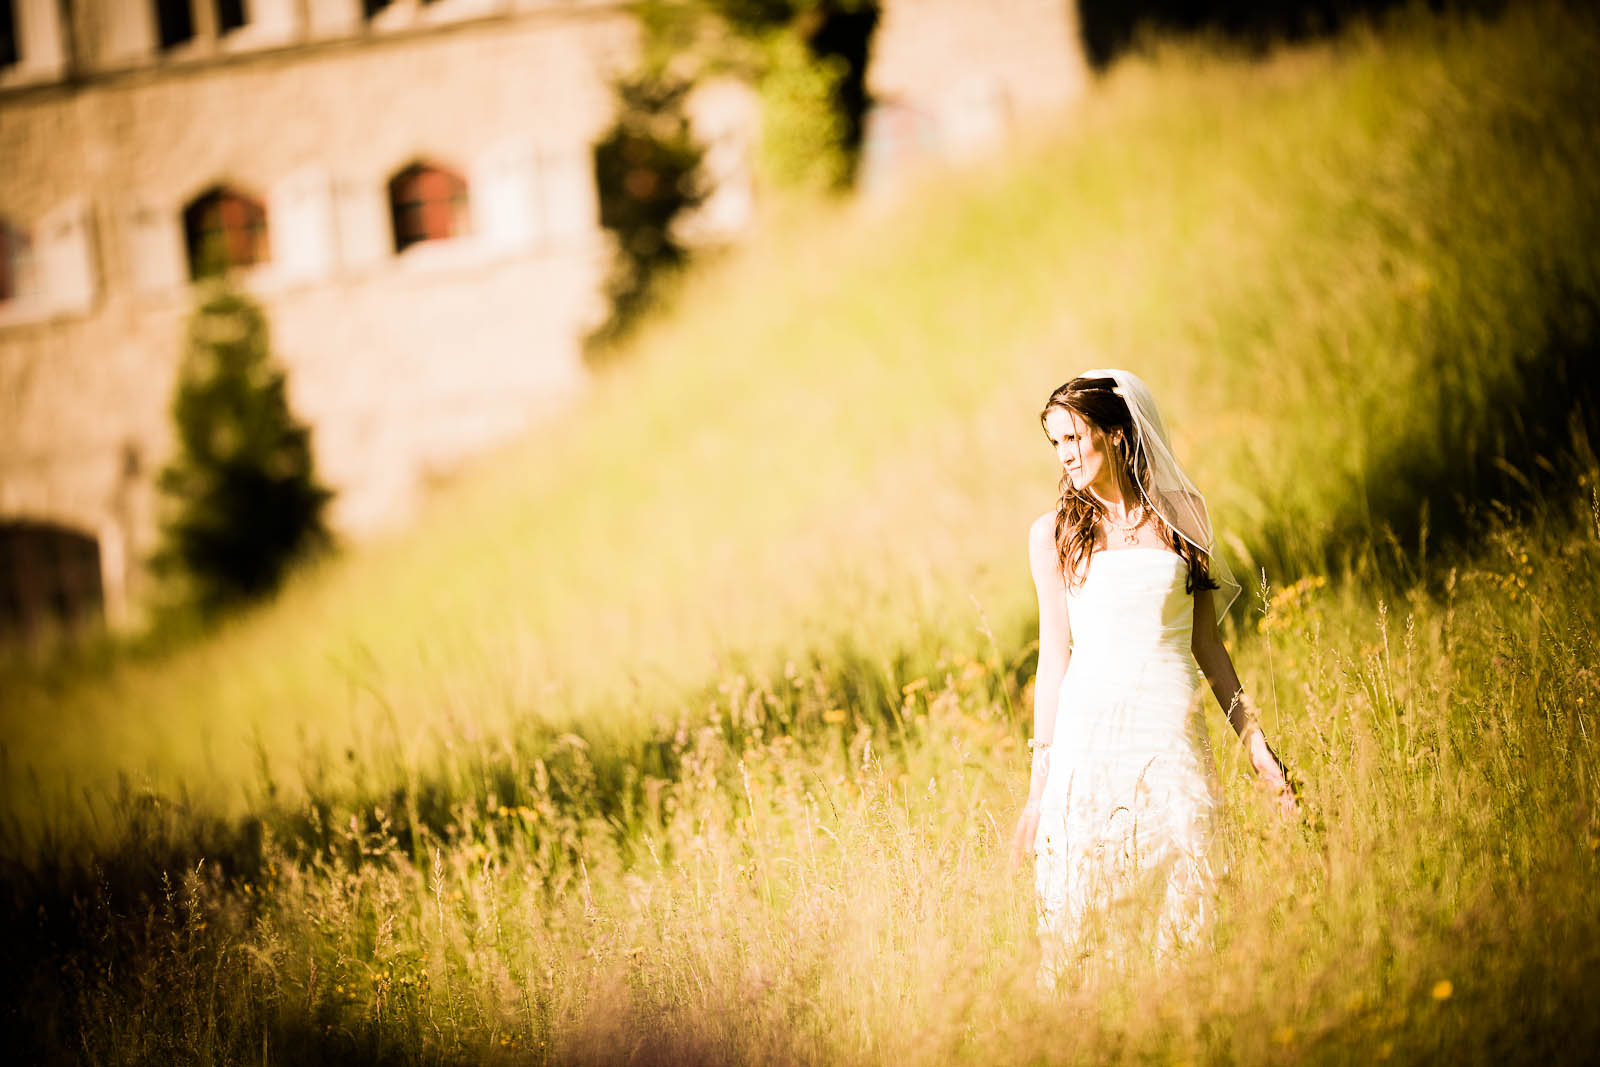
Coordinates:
812 71
241 496
647 168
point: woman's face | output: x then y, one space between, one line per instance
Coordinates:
1081 448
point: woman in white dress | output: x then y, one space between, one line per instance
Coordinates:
1120 799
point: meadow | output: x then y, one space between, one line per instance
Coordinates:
691 728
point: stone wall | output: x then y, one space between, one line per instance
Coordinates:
404 363
949 78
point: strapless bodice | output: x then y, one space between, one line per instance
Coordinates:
1132 602
1130 681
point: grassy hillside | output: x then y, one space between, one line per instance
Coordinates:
690 726
1351 274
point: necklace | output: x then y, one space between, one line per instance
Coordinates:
1128 530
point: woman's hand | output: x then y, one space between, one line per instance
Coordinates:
1271 774
1027 830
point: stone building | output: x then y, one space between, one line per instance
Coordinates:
949 78
405 185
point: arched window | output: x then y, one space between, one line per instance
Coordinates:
427 203
370 8
17 266
49 575
223 229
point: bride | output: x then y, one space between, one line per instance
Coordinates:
1121 792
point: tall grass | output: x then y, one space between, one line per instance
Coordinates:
689 729
1341 270
835 894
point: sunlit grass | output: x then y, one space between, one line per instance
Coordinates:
1335 268
835 894
689 728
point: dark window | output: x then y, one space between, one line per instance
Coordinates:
7 275
16 261
428 203
230 15
8 34
370 8
224 229
49 575
174 22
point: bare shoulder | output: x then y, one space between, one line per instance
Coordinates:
1042 533
1042 543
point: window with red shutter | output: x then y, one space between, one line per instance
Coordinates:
427 203
223 229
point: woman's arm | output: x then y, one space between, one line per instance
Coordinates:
1055 640
1215 663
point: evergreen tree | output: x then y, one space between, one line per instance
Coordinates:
241 498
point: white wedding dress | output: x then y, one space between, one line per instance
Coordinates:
1125 818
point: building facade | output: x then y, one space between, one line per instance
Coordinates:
407 186
950 78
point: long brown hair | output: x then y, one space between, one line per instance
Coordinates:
1078 512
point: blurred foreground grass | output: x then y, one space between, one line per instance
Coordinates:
689 729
